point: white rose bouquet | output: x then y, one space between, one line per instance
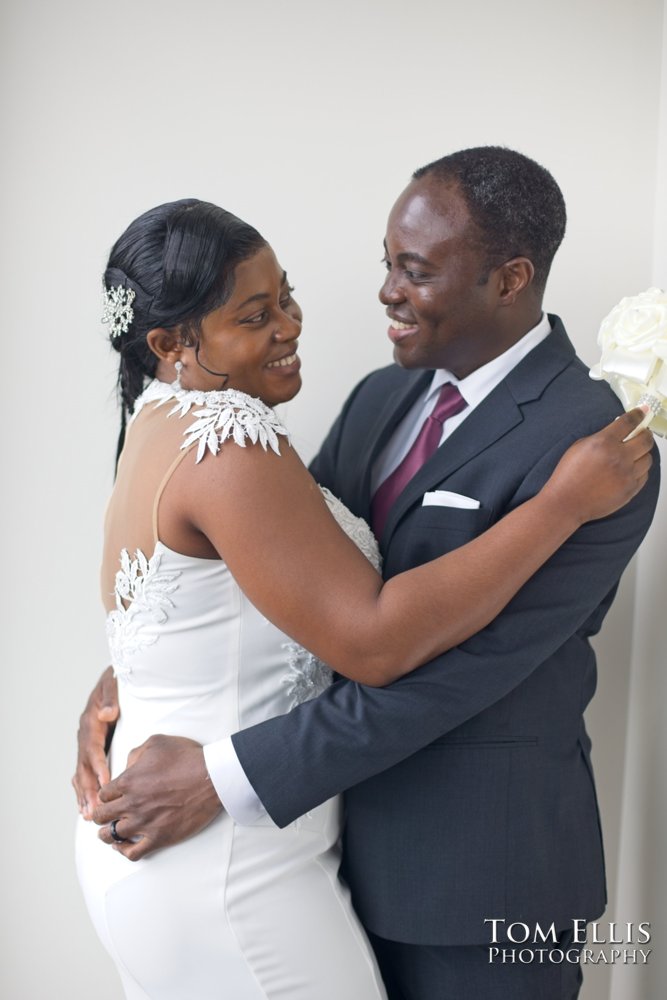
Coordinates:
633 340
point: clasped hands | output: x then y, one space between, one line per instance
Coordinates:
163 797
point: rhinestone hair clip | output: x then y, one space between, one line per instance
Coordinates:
118 311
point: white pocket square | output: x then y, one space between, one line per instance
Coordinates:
443 498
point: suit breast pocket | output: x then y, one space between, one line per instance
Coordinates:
436 530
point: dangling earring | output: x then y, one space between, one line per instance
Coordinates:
177 381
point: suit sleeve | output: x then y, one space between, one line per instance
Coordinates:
352 732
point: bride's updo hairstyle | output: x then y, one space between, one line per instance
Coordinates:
179 261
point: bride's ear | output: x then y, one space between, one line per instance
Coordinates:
165 344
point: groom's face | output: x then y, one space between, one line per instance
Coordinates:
440 298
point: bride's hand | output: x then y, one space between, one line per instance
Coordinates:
601 473
96 726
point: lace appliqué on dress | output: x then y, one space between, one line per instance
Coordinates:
228 413
307 676
356 529
146 591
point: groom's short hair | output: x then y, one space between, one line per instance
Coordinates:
515 203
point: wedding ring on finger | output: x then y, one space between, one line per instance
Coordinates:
115 836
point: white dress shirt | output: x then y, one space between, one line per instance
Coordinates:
225 770
474 388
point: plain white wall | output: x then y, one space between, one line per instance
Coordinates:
307 119
642 877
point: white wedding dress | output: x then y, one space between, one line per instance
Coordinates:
240 913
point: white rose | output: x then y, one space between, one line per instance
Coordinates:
637 324
633 338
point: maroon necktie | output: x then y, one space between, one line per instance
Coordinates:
450 401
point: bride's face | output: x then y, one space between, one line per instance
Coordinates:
252 337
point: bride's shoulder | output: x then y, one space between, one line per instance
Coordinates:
217 417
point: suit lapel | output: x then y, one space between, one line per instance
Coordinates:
389 415
490 420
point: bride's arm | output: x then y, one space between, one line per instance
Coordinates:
266 518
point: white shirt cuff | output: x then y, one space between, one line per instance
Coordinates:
230 782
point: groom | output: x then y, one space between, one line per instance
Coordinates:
469 790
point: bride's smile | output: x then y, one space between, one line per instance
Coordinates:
248 343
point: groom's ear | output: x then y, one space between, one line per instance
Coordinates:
513 277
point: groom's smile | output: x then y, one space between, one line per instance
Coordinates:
447 307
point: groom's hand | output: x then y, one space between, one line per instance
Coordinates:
164 797
96 726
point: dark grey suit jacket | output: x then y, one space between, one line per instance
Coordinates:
470 792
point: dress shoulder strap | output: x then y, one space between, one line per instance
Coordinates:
227 414
161 488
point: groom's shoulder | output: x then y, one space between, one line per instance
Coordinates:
391 374
555 382
383 381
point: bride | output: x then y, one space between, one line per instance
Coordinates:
232 564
